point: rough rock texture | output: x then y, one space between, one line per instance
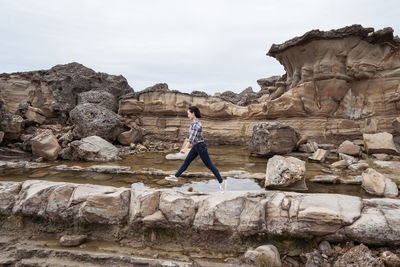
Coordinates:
283 171
134 135
376 183
91 119
45 145
72 240
266 255
349 148
104 99
380 143
336 217
92 148
358 256
270 138
56 90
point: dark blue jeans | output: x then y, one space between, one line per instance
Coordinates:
199 149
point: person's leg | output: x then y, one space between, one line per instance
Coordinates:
189 158
203 152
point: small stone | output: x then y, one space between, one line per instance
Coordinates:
325 248
339 164
72 240
319 155
382 156
349 148
390 259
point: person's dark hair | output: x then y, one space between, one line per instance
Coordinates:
195 110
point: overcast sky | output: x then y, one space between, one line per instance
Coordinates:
212 46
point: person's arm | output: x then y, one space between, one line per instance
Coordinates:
183 150
193 132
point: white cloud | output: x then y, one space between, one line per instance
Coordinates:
191 45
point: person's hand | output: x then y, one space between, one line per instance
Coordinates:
183 151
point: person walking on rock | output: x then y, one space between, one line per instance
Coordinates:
199 147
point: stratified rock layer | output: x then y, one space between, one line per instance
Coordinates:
336 217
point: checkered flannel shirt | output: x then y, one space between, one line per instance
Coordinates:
195 132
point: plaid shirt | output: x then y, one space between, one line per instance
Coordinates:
195 132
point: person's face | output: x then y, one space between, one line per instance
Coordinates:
191 115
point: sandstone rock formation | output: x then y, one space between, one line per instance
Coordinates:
270 138
380 143
336 217
45 145
92 148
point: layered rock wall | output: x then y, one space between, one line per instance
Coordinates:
334 217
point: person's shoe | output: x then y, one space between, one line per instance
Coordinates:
171 178
222 185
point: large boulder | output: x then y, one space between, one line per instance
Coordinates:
376 183
104 99
92 148
380 143
270 138
283 171
91 119
45 145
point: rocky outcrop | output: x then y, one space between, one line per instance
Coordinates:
91 119
270 138
337 217
92 148
56 90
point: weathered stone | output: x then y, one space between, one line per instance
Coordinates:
66 138
319 155
373 182
8 195
12 125
390 259
134 135
1 136
91 119
45 145
391 189
106 208
143 204
72 240
339 164
348 159
130 106
380 143
35 114
270 138
266 255
349 148
378 223
305 214
396 125
104 99
358 166
92 148
382 156
358 256
282 171
325 248
177 208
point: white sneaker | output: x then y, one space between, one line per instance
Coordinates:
171 178
222 185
